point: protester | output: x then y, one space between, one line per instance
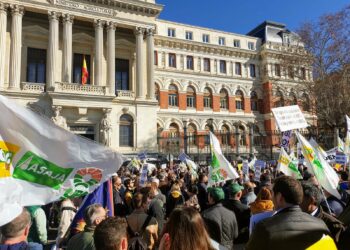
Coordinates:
336 205
111 234
120 209
202 191
174 198
68 211
289 228
93 215
192 200
241 211
38 230
185 230
141 223
220 221
248 195
311 205
15 233
129 192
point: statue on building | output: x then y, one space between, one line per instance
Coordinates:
106 129
58 119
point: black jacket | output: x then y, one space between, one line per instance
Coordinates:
289 229
221 224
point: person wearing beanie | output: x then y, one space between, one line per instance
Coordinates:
221 222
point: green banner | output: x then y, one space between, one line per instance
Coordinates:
32 168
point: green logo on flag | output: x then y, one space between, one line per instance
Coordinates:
32 168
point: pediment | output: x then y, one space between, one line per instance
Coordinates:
83 38
35 30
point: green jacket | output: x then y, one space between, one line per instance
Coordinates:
83 240
38 231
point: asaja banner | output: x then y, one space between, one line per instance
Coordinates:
41 162
289 118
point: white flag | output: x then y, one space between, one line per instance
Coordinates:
318 166
287 166
45 162
220 169
341 146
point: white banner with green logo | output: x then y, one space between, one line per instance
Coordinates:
41 162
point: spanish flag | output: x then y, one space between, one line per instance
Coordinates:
84 72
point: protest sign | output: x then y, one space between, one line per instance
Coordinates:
288 118
285 140
142 155
245 167
257 173
331 155
340 158
144 174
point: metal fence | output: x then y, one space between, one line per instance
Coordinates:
264 145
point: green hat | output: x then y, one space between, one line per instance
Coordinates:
234 188
216 193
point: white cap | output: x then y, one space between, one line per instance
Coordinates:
155 180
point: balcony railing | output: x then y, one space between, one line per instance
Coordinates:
33 87
125 94
80 89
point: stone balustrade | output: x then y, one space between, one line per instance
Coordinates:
80 89
33 87
125 94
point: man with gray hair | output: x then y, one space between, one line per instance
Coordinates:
93 215
14 234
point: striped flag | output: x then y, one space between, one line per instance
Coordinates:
287 166
220 169
84 72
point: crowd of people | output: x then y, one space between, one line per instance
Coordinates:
175 209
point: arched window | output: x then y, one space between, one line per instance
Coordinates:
253 101
173 96
279 99
293 99
156 92
207 98
239 100
191 97
306 102
126 131
191 134
223 99
173 130
225 135
208 128
242 136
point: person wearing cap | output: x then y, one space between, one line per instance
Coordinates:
248 195
241 211
221 222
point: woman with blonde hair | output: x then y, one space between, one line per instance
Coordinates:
175 198
183 223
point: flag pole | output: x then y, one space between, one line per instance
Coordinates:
325 199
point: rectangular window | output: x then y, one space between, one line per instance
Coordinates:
122 74
252 70
205 38
207 102
172 60
190 101
36 65
277 70
221 40
251 46
171 32
206 64
78 66
223 66
155 57
189 35
172 100
238 68
236 43
189 62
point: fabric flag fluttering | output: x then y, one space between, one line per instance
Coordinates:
347 138
287 166
84 72
324 173
47 161
220 169
103 195
341 146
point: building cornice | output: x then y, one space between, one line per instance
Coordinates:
193 46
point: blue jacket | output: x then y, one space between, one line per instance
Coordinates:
22 246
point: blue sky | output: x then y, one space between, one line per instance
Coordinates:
242 16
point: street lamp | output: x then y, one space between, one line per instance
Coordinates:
185 135
210 122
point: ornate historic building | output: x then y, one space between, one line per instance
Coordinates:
148 80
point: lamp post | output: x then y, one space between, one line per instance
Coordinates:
210 122
185 135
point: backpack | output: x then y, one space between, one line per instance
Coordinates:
136 242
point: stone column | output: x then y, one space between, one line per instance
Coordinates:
111 57
67 47
150 64
16 46
52 50
98 52
3 25
139 62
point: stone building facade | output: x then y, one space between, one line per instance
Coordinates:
148 79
